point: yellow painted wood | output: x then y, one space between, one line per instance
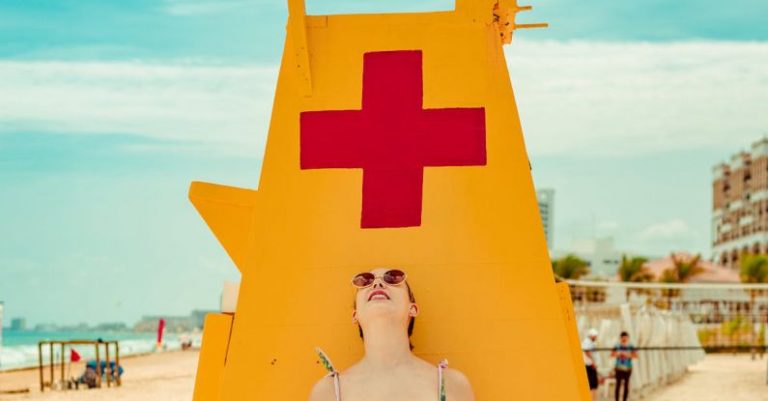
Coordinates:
478 263
212 356
297 43
229 212
566 306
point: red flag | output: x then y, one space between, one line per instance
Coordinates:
74 356
160 330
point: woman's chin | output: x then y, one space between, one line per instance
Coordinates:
380 309
379 304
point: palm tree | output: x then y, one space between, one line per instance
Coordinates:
669 276
682 270
686 269
754 270
570 267
633 270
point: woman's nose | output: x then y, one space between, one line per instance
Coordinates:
378 283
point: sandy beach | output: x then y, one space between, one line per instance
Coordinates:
717 378
170 377
163 377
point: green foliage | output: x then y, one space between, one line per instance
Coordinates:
633 270
731 327
686 269
737 332
669 276
570 267
754 268
682 270
705 336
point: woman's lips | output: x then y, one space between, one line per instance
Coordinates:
378 295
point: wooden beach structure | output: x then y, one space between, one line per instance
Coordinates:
394 141
110 350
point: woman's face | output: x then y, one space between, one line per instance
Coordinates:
384 301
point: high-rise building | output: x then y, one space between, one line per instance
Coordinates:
740 206
18 324
546 198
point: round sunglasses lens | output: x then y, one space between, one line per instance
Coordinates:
363 280
394 277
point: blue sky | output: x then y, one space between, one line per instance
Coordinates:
109 109
251 30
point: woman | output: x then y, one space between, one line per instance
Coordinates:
385 311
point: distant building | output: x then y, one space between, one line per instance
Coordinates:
198 316
600 253
18 324
46 327
173 324
740 206
117 326
546 199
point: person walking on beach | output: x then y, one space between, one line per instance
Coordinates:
624 352
588 348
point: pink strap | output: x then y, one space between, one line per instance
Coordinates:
336 385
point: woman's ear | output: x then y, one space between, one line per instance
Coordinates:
354 315
414 310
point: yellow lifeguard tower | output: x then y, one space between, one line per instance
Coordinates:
394 141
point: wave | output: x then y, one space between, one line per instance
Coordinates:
24 356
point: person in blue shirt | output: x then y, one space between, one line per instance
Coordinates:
624 352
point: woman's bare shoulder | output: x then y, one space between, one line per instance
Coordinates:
457 386
323 390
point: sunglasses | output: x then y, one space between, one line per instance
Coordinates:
390 277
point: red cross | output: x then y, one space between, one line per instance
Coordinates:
393 138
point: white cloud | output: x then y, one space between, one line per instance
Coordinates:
213 104
667 230
593 98
667 236
582 98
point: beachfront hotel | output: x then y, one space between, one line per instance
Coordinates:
740 205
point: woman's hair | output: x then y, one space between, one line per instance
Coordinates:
411 323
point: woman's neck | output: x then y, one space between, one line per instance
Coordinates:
386 345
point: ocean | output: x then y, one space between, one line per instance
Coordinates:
19 348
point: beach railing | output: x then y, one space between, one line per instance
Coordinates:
727 317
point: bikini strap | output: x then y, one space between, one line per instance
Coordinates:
336 385
441 379
331 372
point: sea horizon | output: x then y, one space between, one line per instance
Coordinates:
19 348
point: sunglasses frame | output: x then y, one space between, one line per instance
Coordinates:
405 277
